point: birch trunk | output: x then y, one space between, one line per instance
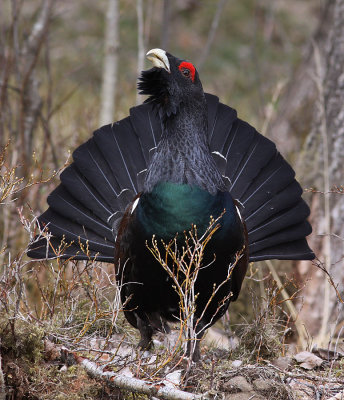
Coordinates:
109 81
140 44
311 119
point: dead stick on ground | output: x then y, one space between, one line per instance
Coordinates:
133 384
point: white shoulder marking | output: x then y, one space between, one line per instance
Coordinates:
238 211
219 154
136 202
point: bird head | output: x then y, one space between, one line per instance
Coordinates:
170 83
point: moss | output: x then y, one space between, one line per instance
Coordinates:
47 382
22 339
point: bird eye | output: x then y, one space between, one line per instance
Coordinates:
186 72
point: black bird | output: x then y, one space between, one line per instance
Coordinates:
177 160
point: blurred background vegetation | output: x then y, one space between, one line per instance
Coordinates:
257 46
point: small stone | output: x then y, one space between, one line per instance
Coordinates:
173 379
236 363
282 362
263 384
239 383
308 360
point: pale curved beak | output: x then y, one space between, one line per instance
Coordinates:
159 59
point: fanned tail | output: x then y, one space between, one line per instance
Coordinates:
106 173
264 183
109 169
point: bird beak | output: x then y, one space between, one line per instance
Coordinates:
159 59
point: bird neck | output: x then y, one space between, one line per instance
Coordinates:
183 155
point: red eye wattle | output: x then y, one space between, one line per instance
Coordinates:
188 70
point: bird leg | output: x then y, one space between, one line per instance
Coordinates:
146 332
193 349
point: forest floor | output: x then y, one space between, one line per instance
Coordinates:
113 368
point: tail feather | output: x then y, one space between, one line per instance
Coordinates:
62 227
131 159
108 171
220 121
286 198
80 188
291 250
212 105
147 127
64 204
265 186
118 156
264 183
236 144
283 236
91 163
281 220
257 156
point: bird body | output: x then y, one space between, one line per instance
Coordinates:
168 212
177 162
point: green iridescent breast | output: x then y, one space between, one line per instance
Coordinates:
172 208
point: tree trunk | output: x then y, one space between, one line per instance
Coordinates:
165 27
140 44
109 81
312 118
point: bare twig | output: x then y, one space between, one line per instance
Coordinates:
183 265
315 378
148 21
301 330
330 280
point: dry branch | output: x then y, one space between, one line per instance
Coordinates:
134 385
301 330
